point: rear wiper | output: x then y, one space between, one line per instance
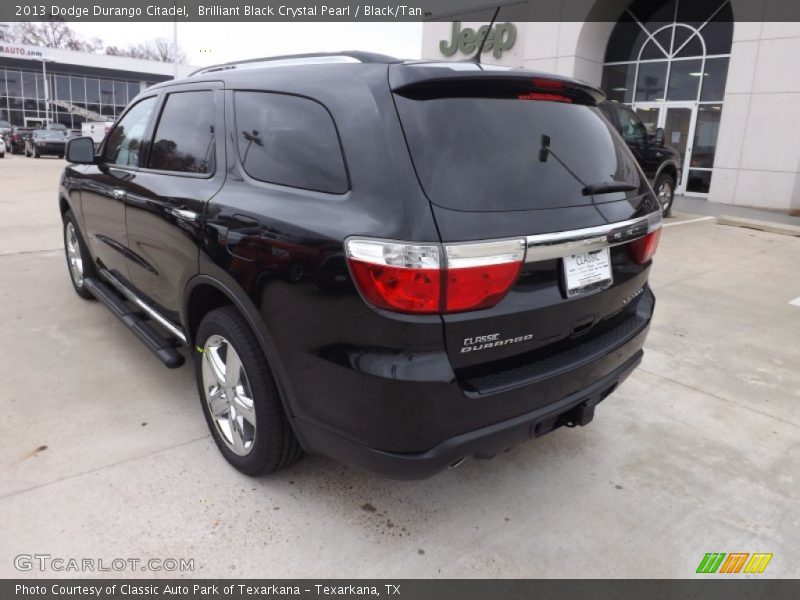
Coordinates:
608 187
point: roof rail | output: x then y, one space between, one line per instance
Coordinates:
317 58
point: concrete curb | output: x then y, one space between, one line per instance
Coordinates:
769 227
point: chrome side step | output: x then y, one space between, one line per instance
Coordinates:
162 347
146 308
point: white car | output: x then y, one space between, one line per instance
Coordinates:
2 148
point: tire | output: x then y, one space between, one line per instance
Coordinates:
665 192
36 154
86 267
262 442
61 156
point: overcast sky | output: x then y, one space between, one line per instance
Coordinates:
210 43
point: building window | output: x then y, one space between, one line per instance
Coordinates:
668 58
78 88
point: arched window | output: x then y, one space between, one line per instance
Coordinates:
669 61
676 50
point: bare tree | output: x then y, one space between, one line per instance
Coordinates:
58 34
51 34
159 50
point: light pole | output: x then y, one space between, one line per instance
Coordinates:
175 42
45 60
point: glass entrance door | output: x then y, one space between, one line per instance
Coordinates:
678 121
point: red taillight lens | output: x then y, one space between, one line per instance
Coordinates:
544 96
479 275
479 287
396 276
643 249
548 84
398 288
408 277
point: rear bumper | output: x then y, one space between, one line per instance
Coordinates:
50 151
410 415
575 409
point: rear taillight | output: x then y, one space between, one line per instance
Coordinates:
479 275
397 276
413 278
643 249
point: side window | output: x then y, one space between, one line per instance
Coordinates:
184 137
125 140
289 141
632 129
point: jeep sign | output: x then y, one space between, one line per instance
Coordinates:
500 38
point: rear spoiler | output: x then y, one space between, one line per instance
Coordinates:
454 79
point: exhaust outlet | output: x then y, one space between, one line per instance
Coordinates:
458 463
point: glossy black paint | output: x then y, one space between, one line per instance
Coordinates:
375 380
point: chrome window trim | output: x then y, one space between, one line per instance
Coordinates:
151 312
548 246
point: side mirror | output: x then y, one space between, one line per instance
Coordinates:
659 139
81 151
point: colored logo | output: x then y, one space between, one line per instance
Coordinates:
735 562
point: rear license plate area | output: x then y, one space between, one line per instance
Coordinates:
587 272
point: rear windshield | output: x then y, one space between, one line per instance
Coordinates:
482 154
49 134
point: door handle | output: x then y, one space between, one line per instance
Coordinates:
118 194
184 215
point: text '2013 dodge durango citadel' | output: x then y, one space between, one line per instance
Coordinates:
396 264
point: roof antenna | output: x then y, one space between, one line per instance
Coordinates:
477 57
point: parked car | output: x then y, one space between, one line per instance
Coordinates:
5 131
97 130
44 142
5 128
17 139
474 245
661 164
2 148
57 127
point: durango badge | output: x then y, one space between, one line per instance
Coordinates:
484 342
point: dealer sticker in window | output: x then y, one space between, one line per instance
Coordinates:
587 272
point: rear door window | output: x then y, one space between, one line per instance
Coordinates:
289 140
184 137
482 153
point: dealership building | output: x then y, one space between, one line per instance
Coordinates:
39 85
725 90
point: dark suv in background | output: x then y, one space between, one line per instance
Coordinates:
396 264
661 164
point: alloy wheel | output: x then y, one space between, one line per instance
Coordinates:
665 194
74 255
228 395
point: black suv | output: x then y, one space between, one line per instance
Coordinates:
661 164
396 264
